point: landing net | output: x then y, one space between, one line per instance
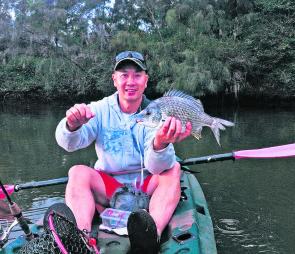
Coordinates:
73 239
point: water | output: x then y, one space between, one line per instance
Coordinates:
251 201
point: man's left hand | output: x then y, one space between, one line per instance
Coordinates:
171 132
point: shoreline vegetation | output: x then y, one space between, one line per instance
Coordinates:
223 52
209 101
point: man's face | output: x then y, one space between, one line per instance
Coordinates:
130 83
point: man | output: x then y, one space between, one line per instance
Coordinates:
122 145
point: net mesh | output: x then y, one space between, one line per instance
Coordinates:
71 237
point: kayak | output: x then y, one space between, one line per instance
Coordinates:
190 230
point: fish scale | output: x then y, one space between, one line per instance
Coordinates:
184 112
184 107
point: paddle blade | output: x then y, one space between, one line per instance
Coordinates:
270 152
9 189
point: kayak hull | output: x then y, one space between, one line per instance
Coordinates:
190 230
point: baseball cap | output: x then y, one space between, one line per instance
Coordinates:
132 56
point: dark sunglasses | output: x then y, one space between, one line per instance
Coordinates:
131 54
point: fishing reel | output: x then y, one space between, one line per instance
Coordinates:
19 220
4 233
60 235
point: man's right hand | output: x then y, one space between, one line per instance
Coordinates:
78 115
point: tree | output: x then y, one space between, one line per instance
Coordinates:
54 48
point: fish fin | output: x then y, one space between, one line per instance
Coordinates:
219 124
197 135
177 93
216 133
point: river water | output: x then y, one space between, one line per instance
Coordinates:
251 201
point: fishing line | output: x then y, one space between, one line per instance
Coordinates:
141 160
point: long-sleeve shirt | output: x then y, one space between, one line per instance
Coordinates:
121 144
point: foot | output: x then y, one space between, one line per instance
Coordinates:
64 230
142 233
61 209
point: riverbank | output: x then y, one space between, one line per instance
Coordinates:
217 100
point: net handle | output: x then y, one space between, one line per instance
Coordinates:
89 241
56 236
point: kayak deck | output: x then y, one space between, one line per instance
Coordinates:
190 230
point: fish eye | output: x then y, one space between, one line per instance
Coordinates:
148 113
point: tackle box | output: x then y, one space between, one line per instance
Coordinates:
114 218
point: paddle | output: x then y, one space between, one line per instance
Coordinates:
14 188
283 151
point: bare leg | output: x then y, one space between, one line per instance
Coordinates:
85 188
165 189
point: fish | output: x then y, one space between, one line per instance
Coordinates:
184 107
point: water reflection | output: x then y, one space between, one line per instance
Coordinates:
229 226
251 201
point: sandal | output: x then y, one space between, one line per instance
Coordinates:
142 233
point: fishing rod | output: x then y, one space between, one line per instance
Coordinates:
19 219
283 151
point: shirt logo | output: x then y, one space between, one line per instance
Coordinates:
113 140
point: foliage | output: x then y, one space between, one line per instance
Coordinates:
268 43
57 49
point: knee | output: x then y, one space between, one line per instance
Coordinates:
78 173
171 177
74 171
174 172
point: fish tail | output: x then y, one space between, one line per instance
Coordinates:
224 122
219 124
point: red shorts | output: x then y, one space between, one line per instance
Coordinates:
111 184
